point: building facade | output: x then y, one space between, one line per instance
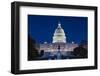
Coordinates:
59 42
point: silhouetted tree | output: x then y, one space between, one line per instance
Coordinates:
41 53
32 51
83 44
80 52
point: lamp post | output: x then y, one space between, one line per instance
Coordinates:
58 53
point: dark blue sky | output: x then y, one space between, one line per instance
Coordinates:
41 28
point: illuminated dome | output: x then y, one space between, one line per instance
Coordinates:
59 35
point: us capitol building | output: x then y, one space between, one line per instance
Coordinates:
59 42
